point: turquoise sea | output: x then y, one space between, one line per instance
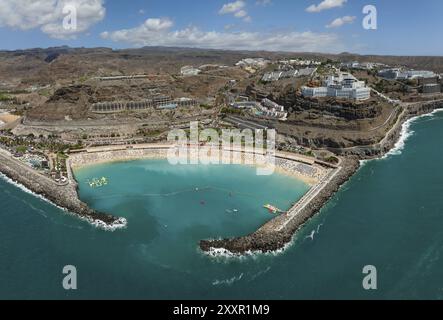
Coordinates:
390 215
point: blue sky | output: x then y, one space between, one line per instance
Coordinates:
405 27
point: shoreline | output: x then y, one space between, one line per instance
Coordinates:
62 196
273 236
277 234
82 160
66 197
405 132
393 136
269 238
306 180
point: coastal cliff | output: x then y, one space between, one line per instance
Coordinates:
270 238
393 135
64 196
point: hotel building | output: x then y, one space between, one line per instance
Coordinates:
342 86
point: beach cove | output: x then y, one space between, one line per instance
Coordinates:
350 232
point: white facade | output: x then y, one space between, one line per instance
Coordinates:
413 74
361 66
361 93
299 62
272 76
342 85
401 74
277 75
271 109
319 92
253 62
189 71
306 72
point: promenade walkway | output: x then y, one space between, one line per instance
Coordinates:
307 198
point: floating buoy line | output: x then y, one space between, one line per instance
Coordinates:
230 193
100 182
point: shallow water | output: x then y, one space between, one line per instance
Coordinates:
390 215
169 209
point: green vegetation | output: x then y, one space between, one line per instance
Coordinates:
332 159
309 153
149 132
21 149
227 110
380 86
206 106
83 79
5 97
261 82
62 155
45 93
77 146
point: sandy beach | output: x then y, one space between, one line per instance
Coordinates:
309 174
311 181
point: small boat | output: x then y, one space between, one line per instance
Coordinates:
273 209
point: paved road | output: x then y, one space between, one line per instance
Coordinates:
245 123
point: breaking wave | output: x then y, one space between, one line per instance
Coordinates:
406 133
228 282
118 224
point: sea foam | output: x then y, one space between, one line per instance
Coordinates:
227 254
406 133
227 281
28 191
118 224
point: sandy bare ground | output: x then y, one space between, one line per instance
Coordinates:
7 118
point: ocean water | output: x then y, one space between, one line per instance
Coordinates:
389 215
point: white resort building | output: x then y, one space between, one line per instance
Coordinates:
402 74
253 62
265 108
277 75
187 71
342 85
272 109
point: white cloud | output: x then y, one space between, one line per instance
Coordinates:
325 5
229 26
341 21
148 35
48 15
232 7
157 24
236 8
240 14
263 3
